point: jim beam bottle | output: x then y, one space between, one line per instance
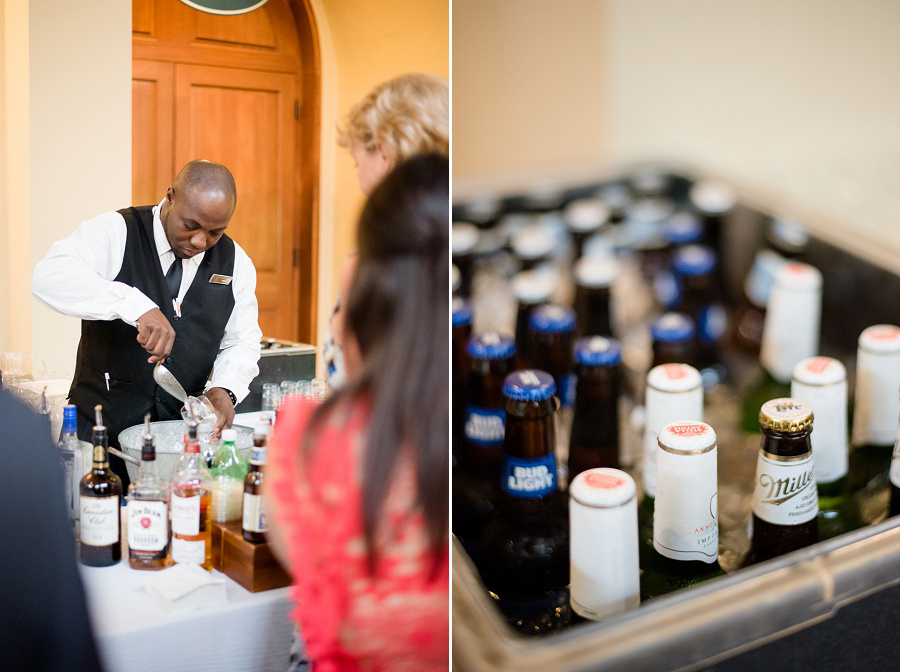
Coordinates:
552 335
594 280
875 413
674 393
524 551
100 503
821 382
604 570
594 441
476 482
685 521
253 514
531 289
785 501
584 217
191 501
148 511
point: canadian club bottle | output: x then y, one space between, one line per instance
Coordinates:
594 440
524 551
191 500
686 519
253 521
477 478
604 544
100 503
594 280
785 501
821 382
148 512
552 335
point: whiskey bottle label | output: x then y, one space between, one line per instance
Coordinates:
189 552
254 517
100 521
529 478
485 426
785 490
148 525
185 515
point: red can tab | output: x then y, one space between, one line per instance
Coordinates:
604 481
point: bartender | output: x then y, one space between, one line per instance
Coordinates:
160 283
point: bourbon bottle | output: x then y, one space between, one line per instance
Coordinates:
191 499
148 512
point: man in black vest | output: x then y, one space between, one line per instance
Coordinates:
158 283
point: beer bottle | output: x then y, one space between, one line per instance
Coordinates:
785 501
475 483
531 289
821 382
685 523
790 334
617 198
464 238
461 321
674 393
604 544
524 551
584 217
673 340
594 440
594 280
713 201
894 506
875 414
533 245
552 332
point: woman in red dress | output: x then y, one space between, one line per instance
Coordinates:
358 486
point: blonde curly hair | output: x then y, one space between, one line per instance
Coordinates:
407 115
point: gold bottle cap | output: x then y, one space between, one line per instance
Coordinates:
785 415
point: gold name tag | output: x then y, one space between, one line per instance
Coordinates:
217 279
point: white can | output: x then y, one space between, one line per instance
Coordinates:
877 404
603 543
821 382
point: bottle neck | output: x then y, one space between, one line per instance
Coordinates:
149 471
101 452
529 437
785 444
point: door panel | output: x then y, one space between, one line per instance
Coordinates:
152 96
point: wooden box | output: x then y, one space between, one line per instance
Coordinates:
251 565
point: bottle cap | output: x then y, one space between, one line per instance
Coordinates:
229 435
70 419
602 488
463 238
694 260
596 272
798 277
881 339
649 182
650 210
491 345
672 328
687 438
482 210
712 198
543 197
683 228
674 378
455 278
533 286
552 318
785 415
462 312
787 236
533 242
586 214
616 196
529 385
262 426
819 371
598 351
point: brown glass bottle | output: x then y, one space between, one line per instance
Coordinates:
552 335
673 337
253 517
524 551
531 289
785 500
594 280
698 297
100 504
461 331
594 441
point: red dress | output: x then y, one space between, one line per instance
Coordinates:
396 619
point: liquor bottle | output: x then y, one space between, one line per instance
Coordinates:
228 471
76 457
461 330
524 551
464 238
253 520
584 217
673 340
603 551
674 393
477 478
785 501
100 503
148 511
790 334
594 440
552 334
191 500
594 280
821 382
531 289
685 522
875 414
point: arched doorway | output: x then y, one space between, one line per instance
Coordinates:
242 90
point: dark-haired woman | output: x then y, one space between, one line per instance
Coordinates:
358 486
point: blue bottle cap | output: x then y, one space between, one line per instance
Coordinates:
672 328
552 318
70 419
529 385
598 351
462 312
683 228
491 345
694 260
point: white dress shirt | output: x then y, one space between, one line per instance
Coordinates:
76 278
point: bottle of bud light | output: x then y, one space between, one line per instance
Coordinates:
552 329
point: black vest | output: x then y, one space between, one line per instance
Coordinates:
110 347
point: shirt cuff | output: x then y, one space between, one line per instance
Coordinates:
134 305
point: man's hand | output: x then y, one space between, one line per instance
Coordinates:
224 409
156 335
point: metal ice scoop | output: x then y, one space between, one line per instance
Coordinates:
168 382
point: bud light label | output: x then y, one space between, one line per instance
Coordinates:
485 426
529 478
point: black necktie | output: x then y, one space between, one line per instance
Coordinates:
173 277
